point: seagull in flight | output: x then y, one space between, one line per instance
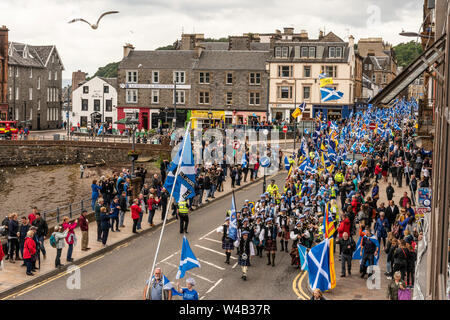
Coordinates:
94 26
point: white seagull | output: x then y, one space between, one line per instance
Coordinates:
94 26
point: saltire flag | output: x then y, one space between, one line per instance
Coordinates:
354 146
188 260
329 94
328 222
331 154
348 162
302 107
287 164
363 149
100 130
298 111
303 148
184 186
357 254
304 165
320 270
302 251
244 161
232 234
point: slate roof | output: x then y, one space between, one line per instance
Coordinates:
111 81
158 59
37 56
233 60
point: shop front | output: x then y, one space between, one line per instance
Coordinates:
3 112
249 118
207 119
332 112
143 116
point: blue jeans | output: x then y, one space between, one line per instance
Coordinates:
121 218
213 189
200 196
69 252
140 220
94 200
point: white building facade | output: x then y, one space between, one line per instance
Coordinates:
95 102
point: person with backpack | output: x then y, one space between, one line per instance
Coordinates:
71 237
57 241
401 259
370 251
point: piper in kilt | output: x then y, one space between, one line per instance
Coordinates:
245 249
227 242
269 235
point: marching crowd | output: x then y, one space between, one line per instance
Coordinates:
349 193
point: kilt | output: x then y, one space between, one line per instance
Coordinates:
227 244
243 262
271 245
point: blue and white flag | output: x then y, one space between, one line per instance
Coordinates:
188 260
184 186
244 161
302 251
287 164
319 266
329 94
357 254
232 233
100 130
354 146
167 285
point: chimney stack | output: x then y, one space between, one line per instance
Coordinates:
198 51
288 31
4 48
303 35
351 41
320 35
127 48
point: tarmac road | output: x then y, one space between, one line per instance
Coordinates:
121 274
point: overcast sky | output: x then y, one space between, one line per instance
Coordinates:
148 24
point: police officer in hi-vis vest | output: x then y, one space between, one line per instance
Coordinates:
183 214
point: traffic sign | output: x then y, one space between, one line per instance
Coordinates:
372 126
236 145
285 129
264 162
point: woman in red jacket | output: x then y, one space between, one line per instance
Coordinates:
152 205
378 171
135 214
344 226
29 250
71 238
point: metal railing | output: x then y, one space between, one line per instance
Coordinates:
72 210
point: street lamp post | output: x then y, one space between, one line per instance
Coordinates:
174 121
68 113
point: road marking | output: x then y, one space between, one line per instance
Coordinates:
212 288
297 287
195 275
44 282
208 234
164 260
234 265
211 264
221 253
203 297
217 241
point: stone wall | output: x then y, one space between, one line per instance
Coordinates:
29 153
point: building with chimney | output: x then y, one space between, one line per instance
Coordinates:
34 85
379 64
4 73
216 83
295 64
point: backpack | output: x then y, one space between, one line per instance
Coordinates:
53 241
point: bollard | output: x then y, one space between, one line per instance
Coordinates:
70 210
57 215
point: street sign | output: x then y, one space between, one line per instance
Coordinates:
285 129
424 197
420 212
372 126
264 162
236 145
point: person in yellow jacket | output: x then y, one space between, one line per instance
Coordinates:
339 177
272 188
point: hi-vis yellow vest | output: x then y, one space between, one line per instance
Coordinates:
271 189
182 207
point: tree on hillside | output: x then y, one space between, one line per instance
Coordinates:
407 53
108 71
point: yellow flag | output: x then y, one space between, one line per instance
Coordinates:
326 82
332 269
297 113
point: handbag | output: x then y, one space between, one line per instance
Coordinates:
404 294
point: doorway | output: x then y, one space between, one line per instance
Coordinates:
144 122
38 121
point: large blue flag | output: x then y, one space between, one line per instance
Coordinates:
184 186
244 161
287 164
329 94
319 266
167 285
357 254
188 260
302 251
232 233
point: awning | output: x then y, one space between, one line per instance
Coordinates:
426 62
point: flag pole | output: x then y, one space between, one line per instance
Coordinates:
167 209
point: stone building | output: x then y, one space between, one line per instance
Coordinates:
216 83
295 66
35 85
3 73
380 64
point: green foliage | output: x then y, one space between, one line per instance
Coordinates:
407 53
168 47
108 71
215 40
